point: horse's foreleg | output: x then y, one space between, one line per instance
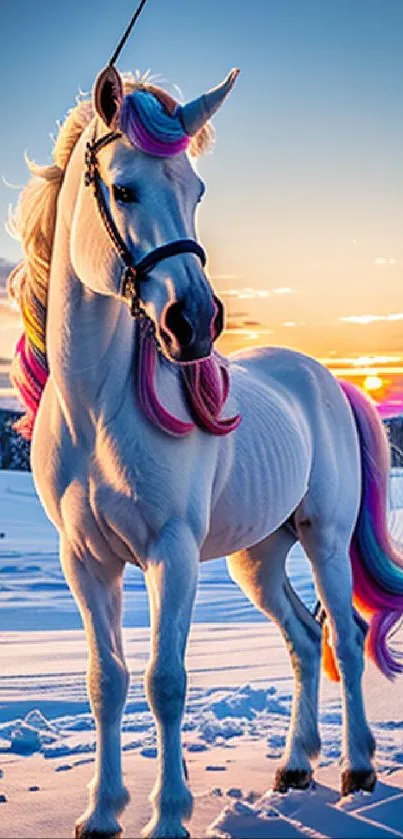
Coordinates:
98 592
171 578
260 572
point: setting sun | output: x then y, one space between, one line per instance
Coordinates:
372 383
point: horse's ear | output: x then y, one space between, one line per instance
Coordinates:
108 95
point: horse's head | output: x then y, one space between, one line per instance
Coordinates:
144 191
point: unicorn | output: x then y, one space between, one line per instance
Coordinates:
149 447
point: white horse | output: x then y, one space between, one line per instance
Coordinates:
140 458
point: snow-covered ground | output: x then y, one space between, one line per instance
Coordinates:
237 713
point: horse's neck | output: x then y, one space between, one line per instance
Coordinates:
92 351
91 346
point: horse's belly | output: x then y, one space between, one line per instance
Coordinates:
244 517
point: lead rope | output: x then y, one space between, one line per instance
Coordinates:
126 33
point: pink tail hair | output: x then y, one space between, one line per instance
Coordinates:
377 564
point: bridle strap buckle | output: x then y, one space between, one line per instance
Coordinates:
90 164
129 290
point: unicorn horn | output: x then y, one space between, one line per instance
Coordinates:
194 114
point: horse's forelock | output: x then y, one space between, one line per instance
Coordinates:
150 127
150 120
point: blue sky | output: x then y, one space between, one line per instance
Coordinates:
305 186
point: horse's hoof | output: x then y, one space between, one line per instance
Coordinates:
286 779
355 780
95 834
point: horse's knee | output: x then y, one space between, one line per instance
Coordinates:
305 653
166 689
108 682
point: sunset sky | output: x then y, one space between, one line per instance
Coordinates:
303 215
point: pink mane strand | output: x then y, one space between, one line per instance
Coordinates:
150 404
206 385
29 379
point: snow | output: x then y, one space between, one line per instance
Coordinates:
237 712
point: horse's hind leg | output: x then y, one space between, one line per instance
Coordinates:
328 549
260 573
98 592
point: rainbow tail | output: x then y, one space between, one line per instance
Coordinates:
377 565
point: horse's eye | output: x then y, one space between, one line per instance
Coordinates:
125 194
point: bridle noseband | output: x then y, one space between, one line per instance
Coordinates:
133 272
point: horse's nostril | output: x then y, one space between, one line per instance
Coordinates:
218 324
178 324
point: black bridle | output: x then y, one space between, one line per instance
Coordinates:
133 272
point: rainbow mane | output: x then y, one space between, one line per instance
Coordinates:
150 120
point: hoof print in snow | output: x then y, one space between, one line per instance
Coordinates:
213 768
3 798
149 751
234 792
287 779
357 780
197 747
34 788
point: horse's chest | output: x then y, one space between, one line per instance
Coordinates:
139 485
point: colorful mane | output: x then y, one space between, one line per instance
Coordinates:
150 120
